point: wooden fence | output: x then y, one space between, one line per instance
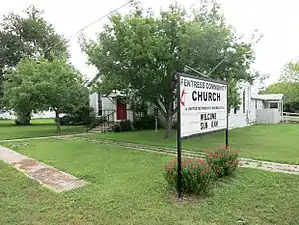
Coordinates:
290 117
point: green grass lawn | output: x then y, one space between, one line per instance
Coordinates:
127 187
266 142
39 127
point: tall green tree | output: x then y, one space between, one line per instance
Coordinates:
30 36
290 72
288 85
143 52
36 85
21 94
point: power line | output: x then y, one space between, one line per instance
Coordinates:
104 16
92 23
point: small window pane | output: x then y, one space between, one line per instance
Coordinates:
273 105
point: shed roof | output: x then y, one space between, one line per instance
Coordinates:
268 97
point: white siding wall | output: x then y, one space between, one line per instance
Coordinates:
241 118
93 101
108 103
253 110
129 113
260 104
268 116
256 104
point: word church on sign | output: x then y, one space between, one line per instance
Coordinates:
203 105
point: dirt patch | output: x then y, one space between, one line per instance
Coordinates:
26 163
56 179
188 199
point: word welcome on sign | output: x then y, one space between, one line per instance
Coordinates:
203 105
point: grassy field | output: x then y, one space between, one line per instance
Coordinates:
39 127
266 142
127 187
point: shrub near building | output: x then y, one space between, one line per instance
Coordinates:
224 162
198 175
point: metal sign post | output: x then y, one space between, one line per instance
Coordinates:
179 138
226 130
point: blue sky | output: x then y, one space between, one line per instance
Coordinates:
276 20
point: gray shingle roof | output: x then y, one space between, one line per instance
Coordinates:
267 96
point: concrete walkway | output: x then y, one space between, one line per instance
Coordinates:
46 175
244 162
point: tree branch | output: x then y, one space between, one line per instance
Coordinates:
160 108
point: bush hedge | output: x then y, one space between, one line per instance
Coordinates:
199 174
83 115
224 162
145 123
94 122
19 123
125 125
116 128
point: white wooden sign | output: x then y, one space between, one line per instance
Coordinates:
203 105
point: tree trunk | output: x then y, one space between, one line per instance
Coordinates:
132 106
24 118
168 118
57 121
168 125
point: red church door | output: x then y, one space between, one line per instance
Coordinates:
121 113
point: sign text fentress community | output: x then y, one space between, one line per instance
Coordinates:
204 95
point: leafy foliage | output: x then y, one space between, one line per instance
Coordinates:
22 121
80 116
288 85
44 85
21 93
29 36
261 81
290 72
197 175
126 125
143 52
223 162
145 123
116 128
